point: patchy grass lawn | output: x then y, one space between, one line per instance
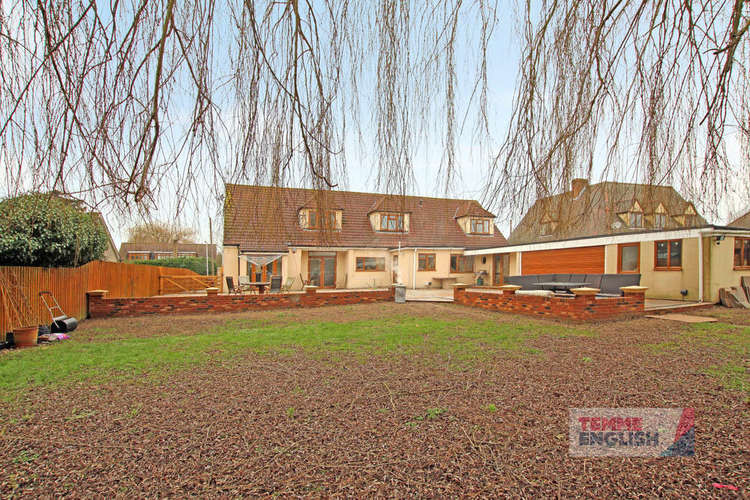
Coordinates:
370 400
462 340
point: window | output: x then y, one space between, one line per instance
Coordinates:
480 226
636 219
668 255
426 262
462 264
660 220
314 220
370 263
742 253
138 256
392 222
628 258
546 228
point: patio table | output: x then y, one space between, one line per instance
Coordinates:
260 285
562 285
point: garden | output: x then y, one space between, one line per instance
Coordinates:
381 399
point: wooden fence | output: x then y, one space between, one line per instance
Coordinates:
179 284
69 285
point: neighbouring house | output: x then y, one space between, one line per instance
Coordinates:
155 251
741 221
340 239
110 253
619 228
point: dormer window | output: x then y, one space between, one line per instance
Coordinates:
660 220
480 226
547 226
392 222
318 219
636 219
634 215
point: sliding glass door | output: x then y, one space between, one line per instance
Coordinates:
321 268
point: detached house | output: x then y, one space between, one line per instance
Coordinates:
621 228
340 239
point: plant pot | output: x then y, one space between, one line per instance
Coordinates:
25 336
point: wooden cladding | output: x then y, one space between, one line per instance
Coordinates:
69 285
582 260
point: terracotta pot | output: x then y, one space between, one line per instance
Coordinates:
25 336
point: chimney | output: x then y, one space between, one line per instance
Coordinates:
577 186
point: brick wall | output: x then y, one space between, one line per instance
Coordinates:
580 307
99 306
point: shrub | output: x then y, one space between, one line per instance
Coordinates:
195 264
48 231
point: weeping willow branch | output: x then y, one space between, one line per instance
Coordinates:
640 91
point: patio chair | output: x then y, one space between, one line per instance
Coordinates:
275 284
245 283
287 287
230 286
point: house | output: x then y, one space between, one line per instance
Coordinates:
741 221
620 228
155 251
110 253
340 239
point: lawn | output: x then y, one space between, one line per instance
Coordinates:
379 399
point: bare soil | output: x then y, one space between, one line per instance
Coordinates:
303 425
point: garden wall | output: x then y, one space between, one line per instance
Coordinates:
99 306
579 307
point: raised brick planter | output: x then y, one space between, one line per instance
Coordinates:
99 306
579 308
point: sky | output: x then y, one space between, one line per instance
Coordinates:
503 57
473 161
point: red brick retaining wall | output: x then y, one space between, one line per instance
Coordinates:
101 307
580 307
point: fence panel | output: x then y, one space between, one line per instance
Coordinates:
20 286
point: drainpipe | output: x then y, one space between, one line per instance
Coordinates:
414 271
700 268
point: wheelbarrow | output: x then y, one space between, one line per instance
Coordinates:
62 323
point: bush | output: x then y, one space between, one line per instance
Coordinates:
48 231
196 264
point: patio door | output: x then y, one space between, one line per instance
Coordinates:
264 273
321 269
497 269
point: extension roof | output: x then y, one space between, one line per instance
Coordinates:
266 219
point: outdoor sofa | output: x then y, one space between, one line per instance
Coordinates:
608 284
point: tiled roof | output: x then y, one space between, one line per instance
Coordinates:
742 221
595 211
473 208
259 218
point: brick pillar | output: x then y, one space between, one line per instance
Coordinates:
637 294
509 289
93 297
459 291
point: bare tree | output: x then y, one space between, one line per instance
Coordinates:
124 99
630 90
160 232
